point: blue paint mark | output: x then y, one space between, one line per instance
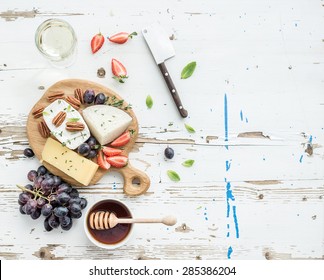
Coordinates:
206 218
229 252
246 120
235 222
228 165
241 115
301 158
310 139
228 226
226 119
229 196
114 186
205 213
228 234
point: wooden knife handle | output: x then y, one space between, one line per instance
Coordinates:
183 112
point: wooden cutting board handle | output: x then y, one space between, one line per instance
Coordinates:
136 182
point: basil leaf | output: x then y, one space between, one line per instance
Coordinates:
188 163
173 175
188 70
73 119
190 128
149 101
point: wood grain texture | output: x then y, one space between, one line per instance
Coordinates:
266 56
37 142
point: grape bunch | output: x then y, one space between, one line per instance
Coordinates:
51 197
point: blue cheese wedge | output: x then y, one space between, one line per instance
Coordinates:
106 122
70 139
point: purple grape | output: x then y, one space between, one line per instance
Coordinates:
169 153
75 200
68 226
83 203
92 142
30 206
60 211
36 214
40 202
38 181
65 221
53 221
57 181
88 96
100 98
23 198
84 149
29 187
64 187
32 174
63 198
92 154
42 170
76 215
28 152
21 210
75 208
46 225
74 193
47 210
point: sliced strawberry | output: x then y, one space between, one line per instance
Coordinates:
122 140
119 70
110 152
117 161
102 161
121 37
97 42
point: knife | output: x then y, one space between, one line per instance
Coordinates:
162 49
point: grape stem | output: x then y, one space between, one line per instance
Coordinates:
34 193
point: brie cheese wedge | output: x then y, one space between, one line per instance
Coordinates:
71 139
106 122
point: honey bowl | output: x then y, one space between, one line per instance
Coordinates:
109 238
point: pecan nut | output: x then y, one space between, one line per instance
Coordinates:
43 129
55 95
59 118
74 126
78 94
38 112
75 103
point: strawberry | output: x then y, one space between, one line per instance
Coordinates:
102 161
121 37
118 70
117 161
110 152
122 140
97 42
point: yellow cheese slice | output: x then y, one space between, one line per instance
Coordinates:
69 162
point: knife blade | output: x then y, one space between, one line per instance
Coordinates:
162 49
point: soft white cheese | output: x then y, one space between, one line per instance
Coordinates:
106 122
71 139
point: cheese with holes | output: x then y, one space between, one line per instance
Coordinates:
69 162
72 139
106 122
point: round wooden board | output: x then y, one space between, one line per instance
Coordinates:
37 142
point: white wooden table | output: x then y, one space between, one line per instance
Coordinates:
255 100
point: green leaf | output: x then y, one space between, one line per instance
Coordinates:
73 119
188 163
190 128
149 101
68 108
45 113
173 175
188 70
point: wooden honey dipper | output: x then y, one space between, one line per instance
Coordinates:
102 220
